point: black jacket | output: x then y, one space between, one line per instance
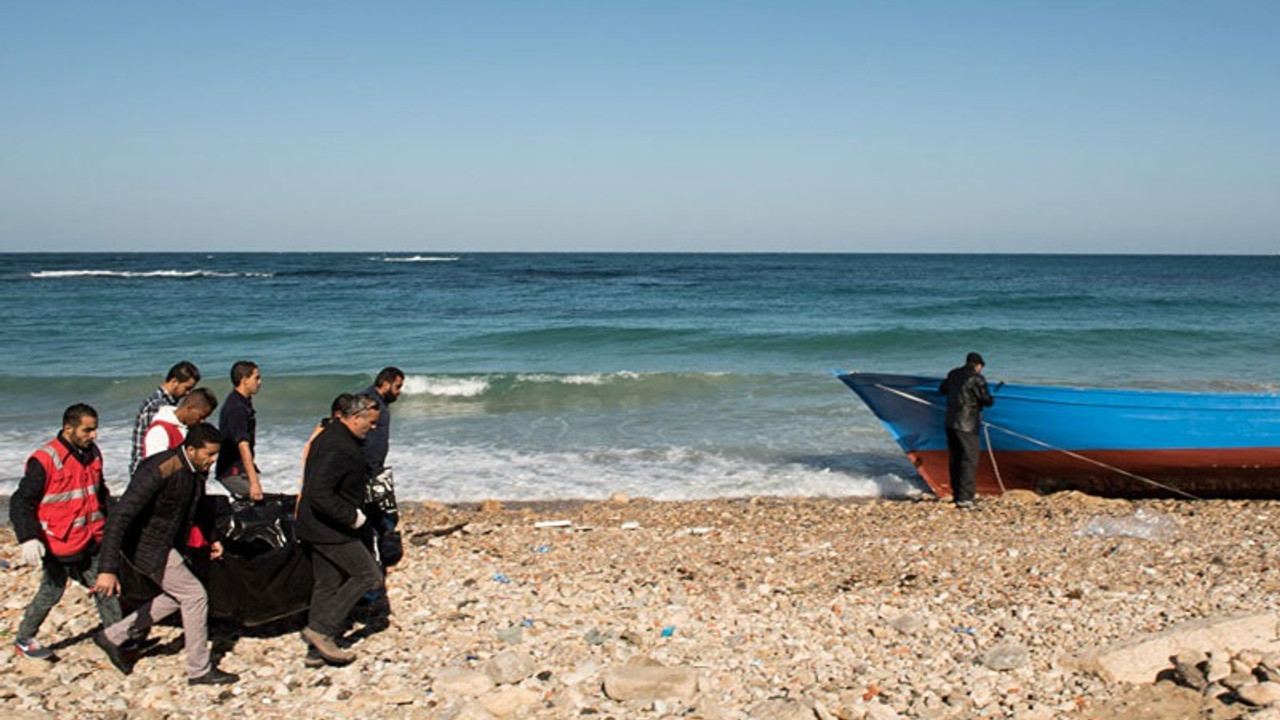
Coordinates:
155 515
967 394
333 485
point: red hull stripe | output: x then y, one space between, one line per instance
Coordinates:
1247 472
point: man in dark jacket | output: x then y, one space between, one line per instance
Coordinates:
967 394
150 527
329 520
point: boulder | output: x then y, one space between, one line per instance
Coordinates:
1140 659
650 682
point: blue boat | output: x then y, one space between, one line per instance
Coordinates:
1124 443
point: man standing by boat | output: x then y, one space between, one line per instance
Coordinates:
967 393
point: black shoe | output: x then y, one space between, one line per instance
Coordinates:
214 677
114 653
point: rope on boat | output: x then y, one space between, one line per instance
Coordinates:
992 453
1043 444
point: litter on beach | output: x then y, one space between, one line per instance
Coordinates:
553 524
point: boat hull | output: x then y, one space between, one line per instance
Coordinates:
1126 443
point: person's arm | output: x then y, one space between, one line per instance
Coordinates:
251 470
984 394
25 501
322 488
146 484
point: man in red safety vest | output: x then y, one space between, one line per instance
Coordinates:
58 514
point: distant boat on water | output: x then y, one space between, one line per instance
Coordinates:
1126 443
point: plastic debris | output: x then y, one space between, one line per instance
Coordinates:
1143 524
668 631
542 548
527 622
965 630
631 525
4 564
553 523
500 578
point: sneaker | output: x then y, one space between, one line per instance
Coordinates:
214 677
31 648
966 505
114 653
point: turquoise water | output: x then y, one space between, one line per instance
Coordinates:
537 376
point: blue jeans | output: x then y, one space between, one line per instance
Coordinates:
53 582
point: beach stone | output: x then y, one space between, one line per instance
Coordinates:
469 711
649 682
1218 667
908 624
1267 713
1260 694
781 709
509 667
490 507
619 498
1006 656
1186 668
1140 659
508 701
460 681
880 711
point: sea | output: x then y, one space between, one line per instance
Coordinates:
553 376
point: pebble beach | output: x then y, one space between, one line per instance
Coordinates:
728 608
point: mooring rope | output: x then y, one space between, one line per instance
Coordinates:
1041 443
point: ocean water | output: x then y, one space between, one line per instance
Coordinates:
552 376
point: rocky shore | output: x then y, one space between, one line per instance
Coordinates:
768 608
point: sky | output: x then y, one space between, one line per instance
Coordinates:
600 125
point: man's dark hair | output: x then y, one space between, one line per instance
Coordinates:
183 371
200 397
242 370
76 413
388 374
974 358
202 434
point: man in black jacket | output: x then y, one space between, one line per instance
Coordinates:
329 521
967 394
150 527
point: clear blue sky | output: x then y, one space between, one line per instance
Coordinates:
1076 126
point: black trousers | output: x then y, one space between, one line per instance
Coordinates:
343 573
963 449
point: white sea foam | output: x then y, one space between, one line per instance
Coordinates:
438 386
422 258
133 274
581 379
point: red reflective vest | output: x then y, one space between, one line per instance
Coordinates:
176 436
69 514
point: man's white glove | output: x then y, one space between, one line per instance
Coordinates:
32 552
359 519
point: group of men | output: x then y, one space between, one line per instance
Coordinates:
65 520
